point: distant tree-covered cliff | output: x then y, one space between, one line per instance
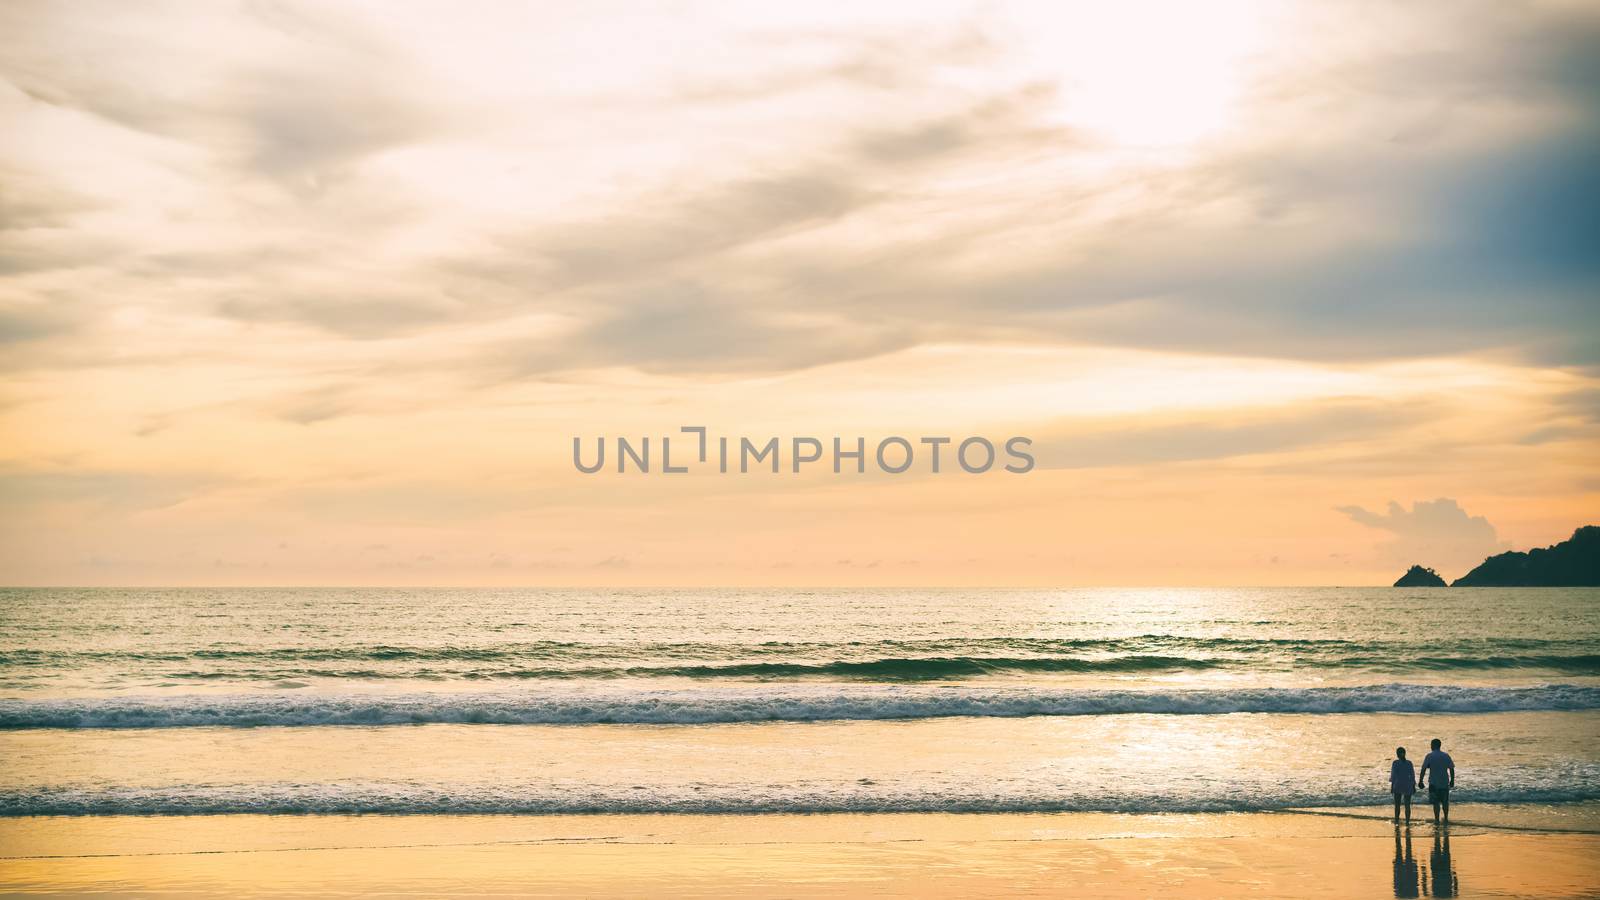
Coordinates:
1574 562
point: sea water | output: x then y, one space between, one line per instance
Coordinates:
304 700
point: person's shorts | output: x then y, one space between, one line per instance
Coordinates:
1399 793
1438 795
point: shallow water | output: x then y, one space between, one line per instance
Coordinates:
334 700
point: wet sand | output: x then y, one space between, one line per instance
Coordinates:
1344 853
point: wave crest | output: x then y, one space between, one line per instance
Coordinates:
788 703
415 799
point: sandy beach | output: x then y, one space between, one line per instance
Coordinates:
1308 853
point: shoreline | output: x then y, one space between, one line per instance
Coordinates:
1305 852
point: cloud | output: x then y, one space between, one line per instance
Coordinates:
638 244
1583 404
36 217
32 322
888 196
317 405
288 94
360 500
106 488
1572 415
1349 245
1347 250
660 286
1003 119
350 315
893 61
678 328
658 260
1436 533
1257 432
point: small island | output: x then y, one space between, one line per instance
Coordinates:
1418 576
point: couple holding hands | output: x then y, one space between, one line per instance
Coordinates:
1438 776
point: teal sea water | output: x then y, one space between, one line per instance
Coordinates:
297 700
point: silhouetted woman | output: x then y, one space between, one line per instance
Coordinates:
1402 782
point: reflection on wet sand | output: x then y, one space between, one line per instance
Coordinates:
1405 867
1437 879
1441 870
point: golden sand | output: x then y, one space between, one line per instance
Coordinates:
1096 855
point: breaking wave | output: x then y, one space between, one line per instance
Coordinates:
757 703
421 799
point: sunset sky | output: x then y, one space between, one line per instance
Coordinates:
320 293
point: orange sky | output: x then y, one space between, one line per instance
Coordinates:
321 293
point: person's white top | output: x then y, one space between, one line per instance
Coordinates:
1436 768
1402 776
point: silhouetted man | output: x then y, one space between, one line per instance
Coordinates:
1438 776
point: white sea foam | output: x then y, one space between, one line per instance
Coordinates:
761 703
534 799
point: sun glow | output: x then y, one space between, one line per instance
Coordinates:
1144 75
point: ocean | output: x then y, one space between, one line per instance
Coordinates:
334 700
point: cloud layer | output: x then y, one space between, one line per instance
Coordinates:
882 186
361 270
